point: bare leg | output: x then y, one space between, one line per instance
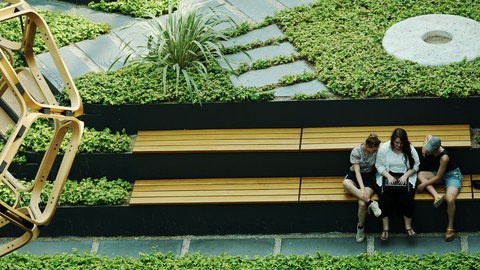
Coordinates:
423 176
362 208
450 197
352 189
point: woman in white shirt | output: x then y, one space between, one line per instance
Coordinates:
397 159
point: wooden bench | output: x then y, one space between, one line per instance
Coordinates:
288 139
345 138
218 140
259 190
216 190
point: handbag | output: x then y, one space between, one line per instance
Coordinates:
397 186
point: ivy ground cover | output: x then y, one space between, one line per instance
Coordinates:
343 41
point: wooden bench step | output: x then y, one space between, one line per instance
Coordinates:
288 139
345 138
218 140
217 190
261 190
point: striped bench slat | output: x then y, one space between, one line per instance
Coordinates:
217 140
215 190
345 138
287 139
261 190
215 200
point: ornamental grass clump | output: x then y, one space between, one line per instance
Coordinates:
185 45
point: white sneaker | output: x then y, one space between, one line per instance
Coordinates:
360 237
375 208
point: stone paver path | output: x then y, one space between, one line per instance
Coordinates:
128 36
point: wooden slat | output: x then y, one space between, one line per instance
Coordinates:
215 190
345 138
217 140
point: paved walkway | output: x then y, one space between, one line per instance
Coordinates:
101 54
257 245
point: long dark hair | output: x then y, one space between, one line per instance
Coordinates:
406 150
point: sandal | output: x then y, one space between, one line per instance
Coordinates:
450 234
385 235
411 232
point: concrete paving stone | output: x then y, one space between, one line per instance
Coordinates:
262 34
224 13
75 65
136 34
112 19
49 247
474 244
103 51
132 248
308 88
236 247
272 75
263 53
292 4
345 246
55 6
417 245
256 10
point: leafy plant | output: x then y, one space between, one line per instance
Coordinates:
141 9
186 44
40 134
84 192
66 29
154 260
318 95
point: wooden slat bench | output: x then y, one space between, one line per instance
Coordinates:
465 191
345 138
288 139
216 190
218 140
260 190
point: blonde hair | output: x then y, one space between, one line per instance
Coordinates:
372 140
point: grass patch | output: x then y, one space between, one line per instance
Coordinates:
343 41
203 262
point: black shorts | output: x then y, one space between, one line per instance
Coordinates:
368 179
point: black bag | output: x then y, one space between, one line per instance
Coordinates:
395 185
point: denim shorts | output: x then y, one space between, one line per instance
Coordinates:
452 178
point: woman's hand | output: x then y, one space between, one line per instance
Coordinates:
391 179
403 179
364 195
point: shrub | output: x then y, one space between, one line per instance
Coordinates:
186 44
85 192
40 134
141 9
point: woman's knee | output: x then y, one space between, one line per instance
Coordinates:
362 204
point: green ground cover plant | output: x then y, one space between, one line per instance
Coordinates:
460 261
66 29
88 191
93 141
136 85
139 9
343 41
